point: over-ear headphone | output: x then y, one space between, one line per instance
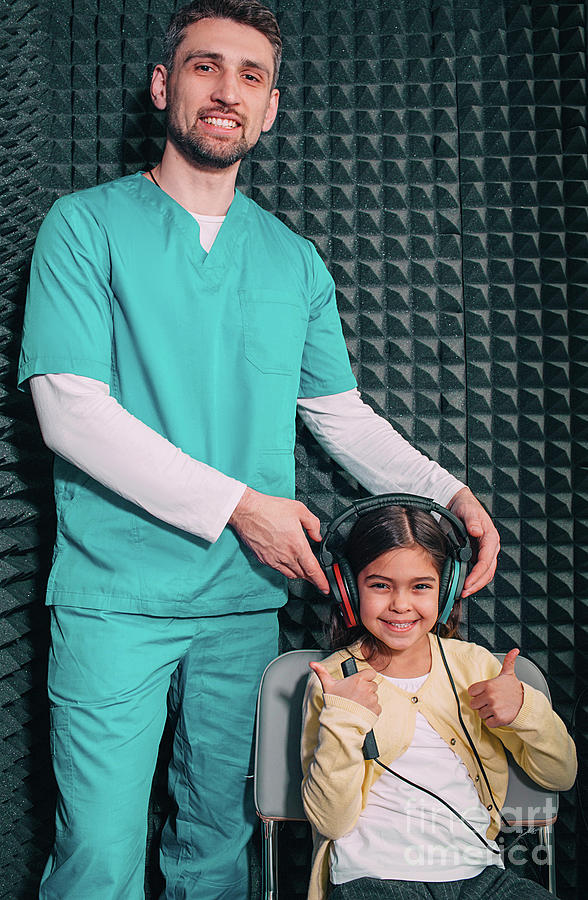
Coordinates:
338 569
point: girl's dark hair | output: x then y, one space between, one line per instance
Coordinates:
244 12
374 533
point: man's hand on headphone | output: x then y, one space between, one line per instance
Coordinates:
361 687
499 699
275 529
478 525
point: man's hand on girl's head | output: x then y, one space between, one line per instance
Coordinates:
276 529
480 526
499 700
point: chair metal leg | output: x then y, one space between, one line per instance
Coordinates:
269 862
546 839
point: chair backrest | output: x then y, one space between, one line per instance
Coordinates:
278 774
527 803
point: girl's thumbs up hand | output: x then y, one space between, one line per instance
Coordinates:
360 688
499 699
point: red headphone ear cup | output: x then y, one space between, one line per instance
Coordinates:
341 595
349 594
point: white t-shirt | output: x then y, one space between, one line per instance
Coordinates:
209 228
407 835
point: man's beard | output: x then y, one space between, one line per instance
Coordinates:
207 152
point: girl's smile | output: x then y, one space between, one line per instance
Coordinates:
399 599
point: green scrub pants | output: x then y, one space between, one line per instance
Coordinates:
109 678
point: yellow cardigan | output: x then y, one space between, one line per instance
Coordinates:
337 779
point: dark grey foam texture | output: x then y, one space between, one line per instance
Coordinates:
435 152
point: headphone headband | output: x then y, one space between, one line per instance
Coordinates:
338 571
359 508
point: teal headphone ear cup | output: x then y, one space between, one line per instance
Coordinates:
444 586
351 587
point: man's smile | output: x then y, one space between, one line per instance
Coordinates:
218 122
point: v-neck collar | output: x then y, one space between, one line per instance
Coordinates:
229 236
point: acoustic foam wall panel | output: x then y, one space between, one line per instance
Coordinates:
435 152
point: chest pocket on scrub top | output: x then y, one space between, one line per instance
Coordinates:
274 329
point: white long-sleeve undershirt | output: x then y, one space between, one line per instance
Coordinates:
369 448
81 422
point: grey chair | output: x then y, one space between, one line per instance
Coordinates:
278 775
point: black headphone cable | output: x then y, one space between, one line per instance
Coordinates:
504 822
370 751
463 725
444 802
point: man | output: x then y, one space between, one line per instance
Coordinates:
172 329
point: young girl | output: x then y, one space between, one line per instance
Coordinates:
377 836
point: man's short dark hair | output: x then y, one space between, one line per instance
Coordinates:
244 12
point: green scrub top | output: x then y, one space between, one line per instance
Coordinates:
210 350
